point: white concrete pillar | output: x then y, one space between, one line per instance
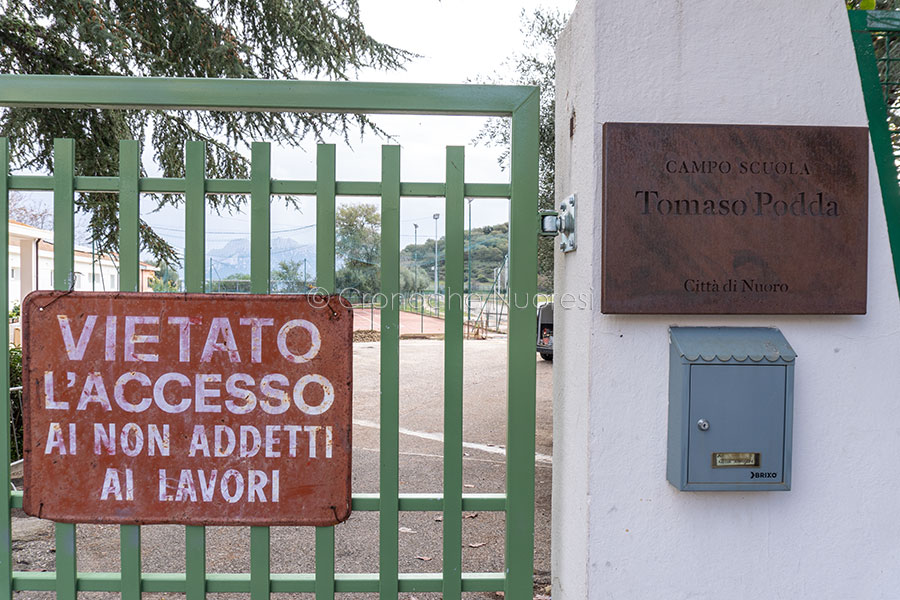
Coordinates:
619 529
28 267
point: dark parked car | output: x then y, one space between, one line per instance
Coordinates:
545 330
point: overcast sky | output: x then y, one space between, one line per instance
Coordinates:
458 40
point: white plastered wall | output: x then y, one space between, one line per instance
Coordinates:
619 529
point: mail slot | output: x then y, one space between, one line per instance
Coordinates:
730 409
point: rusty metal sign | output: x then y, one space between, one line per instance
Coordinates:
734 219
191 408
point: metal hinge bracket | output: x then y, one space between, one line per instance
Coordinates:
562 223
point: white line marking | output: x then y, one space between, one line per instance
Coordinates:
439 437
435 456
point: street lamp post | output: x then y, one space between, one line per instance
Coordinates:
436 217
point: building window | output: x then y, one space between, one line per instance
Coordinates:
12 274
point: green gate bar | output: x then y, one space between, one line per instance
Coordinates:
325 201
195 217
63 278
389 447
518 102
176 185
453 373
129 281
194 281
260 222
129 215
257 95
260 233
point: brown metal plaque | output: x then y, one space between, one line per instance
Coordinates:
212 409
734 219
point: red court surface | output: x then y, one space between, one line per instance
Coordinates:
410 323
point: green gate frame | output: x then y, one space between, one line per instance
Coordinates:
521 103
863 25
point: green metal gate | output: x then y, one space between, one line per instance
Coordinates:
519 103
873 34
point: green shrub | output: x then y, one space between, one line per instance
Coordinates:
15 404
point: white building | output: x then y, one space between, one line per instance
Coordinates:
31 267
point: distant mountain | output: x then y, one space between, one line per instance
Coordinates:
234 257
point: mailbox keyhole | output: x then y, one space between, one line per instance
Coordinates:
703 425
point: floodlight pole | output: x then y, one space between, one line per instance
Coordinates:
436 217
415 257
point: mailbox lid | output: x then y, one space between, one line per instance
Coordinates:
745 406
731 344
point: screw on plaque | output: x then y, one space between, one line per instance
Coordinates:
703 425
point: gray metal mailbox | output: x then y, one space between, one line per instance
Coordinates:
731 392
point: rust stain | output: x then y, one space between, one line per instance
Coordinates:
191 409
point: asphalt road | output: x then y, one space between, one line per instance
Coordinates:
421 410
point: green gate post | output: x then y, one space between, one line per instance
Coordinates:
523 229
6 580
862 24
